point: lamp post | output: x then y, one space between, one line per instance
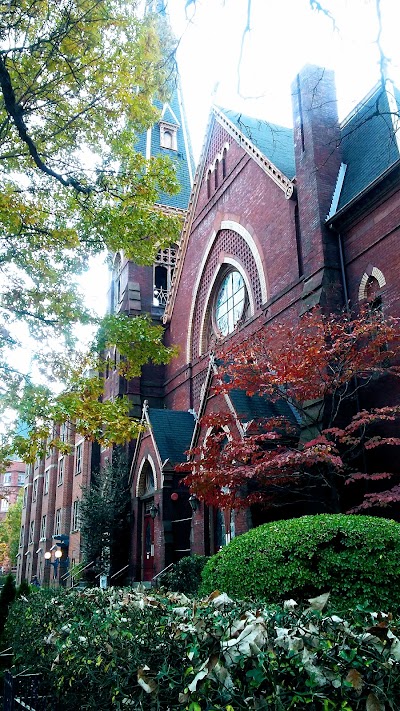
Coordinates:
61 560
56 562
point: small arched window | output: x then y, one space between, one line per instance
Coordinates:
209 184
216 173
167 142
224 166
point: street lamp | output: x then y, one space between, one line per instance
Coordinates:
154 510
194 503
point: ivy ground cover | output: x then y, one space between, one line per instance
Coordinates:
122 649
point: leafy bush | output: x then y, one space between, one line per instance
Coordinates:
122 649
357 558
185 575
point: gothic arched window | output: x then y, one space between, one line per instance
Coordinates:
163 272
230 303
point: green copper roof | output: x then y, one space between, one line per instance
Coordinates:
275 142
148 144
172 431
368 143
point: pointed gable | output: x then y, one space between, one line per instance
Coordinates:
273 141
172 433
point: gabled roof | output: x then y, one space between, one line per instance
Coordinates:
243 130
256 407
275 142
172 432
369 142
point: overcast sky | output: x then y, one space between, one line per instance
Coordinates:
284 35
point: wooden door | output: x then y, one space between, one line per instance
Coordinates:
148 547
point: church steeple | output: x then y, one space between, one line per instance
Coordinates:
170 135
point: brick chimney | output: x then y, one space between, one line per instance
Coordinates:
318 158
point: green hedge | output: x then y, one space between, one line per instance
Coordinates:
119 650
357 558
185 575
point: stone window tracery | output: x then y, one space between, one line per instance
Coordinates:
163 272
227 242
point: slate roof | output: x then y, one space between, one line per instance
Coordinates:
172 431
256 407
182 157
275 142
368 144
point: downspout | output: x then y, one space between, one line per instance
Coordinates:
347 304
342 268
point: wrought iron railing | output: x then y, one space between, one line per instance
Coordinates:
23 691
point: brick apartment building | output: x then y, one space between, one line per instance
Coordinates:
278 220
11 483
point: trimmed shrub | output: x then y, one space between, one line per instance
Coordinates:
185 575
356 558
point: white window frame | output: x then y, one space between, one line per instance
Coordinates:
78 458
75 515
60 472
57 523
43 524
46 481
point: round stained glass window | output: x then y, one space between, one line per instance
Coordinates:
230 302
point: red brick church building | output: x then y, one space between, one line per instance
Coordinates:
278 220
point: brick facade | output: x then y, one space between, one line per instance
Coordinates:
303 225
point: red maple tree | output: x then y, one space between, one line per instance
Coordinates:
328 369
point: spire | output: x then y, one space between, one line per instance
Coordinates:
170 135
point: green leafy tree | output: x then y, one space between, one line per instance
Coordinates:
78 80
105 515
9 533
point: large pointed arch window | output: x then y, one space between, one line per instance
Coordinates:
231 303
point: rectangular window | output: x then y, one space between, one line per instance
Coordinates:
7 479
57 523
75 515
4 505
21 537
21 479
31 531
46 481
78 459
43 527
25 499
60 477
63 432
35 488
